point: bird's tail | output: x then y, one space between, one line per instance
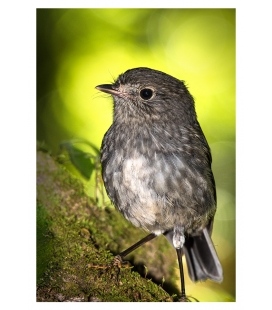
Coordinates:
201 257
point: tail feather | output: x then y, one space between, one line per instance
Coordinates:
202 259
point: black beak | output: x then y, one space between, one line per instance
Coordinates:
107 88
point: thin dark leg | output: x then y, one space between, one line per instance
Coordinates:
136 245
183 295
118 259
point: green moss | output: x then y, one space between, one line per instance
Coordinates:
74 236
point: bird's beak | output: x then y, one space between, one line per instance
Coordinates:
107 88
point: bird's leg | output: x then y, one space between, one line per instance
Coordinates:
137 244
178 242
118 262
183 294
118 259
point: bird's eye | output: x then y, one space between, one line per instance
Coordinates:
146 93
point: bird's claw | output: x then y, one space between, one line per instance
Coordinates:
117 263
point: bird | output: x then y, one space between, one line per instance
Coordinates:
156 168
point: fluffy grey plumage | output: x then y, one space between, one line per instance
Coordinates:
156 165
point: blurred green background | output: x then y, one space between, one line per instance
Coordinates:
78 49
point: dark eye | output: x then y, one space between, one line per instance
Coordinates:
146 93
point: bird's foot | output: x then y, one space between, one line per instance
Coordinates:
187 299
117 263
